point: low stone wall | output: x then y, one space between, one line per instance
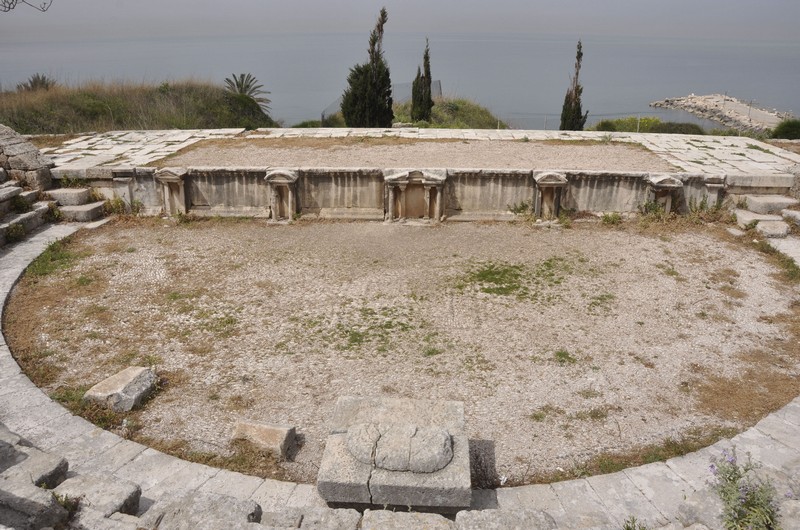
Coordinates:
393 194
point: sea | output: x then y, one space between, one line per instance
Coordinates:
522 78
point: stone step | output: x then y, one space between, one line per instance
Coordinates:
70 196
41 468
792 216
773 228
745 218
769 204
83 212
27 222
789 246
105 494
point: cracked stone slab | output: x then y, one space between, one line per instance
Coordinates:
341 477
203 511
103 493
623 499
502 520
388 520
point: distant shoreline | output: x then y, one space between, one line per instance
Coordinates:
726 110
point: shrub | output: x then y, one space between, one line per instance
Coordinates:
787 130
104 107
37 82
671 127
748 502
628 124
14 233
611 219
453 113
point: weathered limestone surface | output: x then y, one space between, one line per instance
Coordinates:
41 468
772 228
125 390
69 196
276 439
769 204
744 218
403 452
388 520
23 505
102 493
207 511
500 520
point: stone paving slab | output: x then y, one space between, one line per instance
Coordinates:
660 485
233 484
622 499
150 467
703 154
582 507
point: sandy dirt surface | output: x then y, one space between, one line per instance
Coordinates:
562 344
391 152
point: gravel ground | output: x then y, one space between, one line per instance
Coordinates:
387 153
562 343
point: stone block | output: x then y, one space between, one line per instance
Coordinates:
23 505
18 147
202 511
69 196
276 439
504 520
316 518
448 488
42 469
387 520
9 192
745 218
772 228
341 477
39 179
84 212
792 216
769 204
88 519
30 161
737 183
372 458
125 390
103 493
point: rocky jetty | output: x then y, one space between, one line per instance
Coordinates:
726 110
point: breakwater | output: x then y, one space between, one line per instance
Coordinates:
726 110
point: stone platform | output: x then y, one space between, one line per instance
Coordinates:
397 452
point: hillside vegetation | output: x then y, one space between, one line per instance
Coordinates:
121 106
447 113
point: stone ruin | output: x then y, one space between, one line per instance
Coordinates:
396 452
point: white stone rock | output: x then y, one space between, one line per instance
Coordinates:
125 390
276 439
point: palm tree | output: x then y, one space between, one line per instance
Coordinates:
8 5
247 85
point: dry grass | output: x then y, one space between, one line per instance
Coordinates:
190 320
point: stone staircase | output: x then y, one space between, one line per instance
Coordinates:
76 204
21 211
772 216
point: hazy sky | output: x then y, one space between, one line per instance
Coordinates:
747 20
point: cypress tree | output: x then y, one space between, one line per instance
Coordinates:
572 116
421 97
367 101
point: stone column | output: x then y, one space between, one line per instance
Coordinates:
402 213
427 202
273 202
290 199
437 209
391 203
